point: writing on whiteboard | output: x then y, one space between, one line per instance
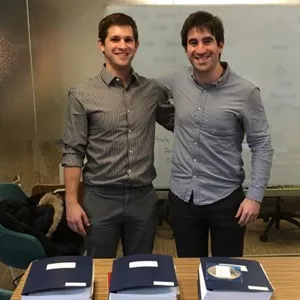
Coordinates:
164 146
168 154
163 139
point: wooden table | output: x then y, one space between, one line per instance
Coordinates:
283 272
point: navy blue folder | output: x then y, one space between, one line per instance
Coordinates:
61 272
142 270
252 275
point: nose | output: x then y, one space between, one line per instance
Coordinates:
122 44
200 48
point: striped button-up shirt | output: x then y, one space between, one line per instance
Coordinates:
210 124
113 126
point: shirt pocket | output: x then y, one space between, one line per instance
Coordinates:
103 121
222 124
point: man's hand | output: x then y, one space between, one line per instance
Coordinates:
248 211
77 218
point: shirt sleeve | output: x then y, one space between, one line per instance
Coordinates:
75 132
166 83
259 140
165 112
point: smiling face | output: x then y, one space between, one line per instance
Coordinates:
203 51
119 48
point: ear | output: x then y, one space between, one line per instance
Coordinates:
137 44
221 46
101 46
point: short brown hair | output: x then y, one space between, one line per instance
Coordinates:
116 19
203 19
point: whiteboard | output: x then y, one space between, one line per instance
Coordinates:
262 43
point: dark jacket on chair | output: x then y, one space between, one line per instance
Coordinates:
42 216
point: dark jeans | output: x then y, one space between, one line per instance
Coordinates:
120 212
192 224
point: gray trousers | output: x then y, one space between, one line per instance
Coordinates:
115 213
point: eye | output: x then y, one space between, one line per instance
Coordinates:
208 41
193 43
128 40
114 39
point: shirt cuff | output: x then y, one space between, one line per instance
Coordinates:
255 193
72 160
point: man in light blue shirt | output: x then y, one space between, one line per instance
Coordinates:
215 108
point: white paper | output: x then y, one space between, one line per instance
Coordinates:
163 283
62 265
223 272
143 263
75 284
243 268
258 288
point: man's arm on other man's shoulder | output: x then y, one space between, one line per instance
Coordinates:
165 112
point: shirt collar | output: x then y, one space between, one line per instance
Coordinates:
108 78
222 80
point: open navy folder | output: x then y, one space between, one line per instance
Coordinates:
228 278
63 277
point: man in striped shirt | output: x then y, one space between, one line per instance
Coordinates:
110 121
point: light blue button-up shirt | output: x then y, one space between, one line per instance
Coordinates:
210 125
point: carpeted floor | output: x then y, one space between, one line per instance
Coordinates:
283 241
